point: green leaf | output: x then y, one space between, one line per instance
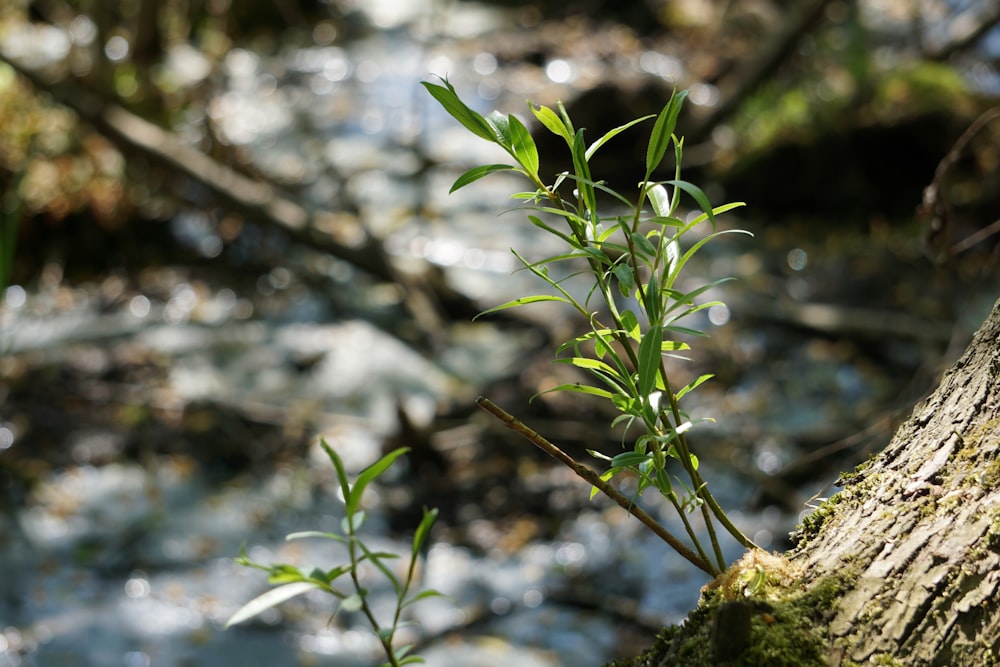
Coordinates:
605 476
587 363
663 129
500 124
476 173
338 465
697 194
660 200
626 279
584 184
686 330
369 474
376 560
643 245
472 121
552 122
522 301
693 385
578 388
541 224
352 523
662 481
612 133
423 595
284 573
352 602
629 459
423 530
305 534
649 358
265 601
630 323
523 146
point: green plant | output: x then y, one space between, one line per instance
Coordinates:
290 581
633 254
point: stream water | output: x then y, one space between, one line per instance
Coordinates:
128 560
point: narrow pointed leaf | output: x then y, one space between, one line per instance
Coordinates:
265 601
579 388
663 129
642 244
369 474
305 534
693 385
523 301
423 530
627 459
697 194
584 184
472 121
552 122
612 133
523 146
649 360
476 173
338 465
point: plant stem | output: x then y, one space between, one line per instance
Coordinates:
594 479
386 641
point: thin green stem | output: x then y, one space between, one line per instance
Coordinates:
385 641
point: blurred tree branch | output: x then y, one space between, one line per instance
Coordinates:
964 31
774 50
428 298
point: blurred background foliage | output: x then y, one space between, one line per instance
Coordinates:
831 118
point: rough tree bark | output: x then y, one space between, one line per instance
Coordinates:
898 568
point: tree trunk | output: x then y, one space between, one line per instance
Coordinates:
898 568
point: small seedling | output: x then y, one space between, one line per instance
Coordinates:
634 252
290 581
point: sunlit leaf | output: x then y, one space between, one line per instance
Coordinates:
352 523
578 388
284 573
304 534
522 301
476 173
265 601
693 385
352 602
697 194
660 200
630 323
472 121
612 133
369 474
523 146
499 122
663 129
552 122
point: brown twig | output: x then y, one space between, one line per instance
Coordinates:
594 479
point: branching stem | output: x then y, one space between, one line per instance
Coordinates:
592 478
